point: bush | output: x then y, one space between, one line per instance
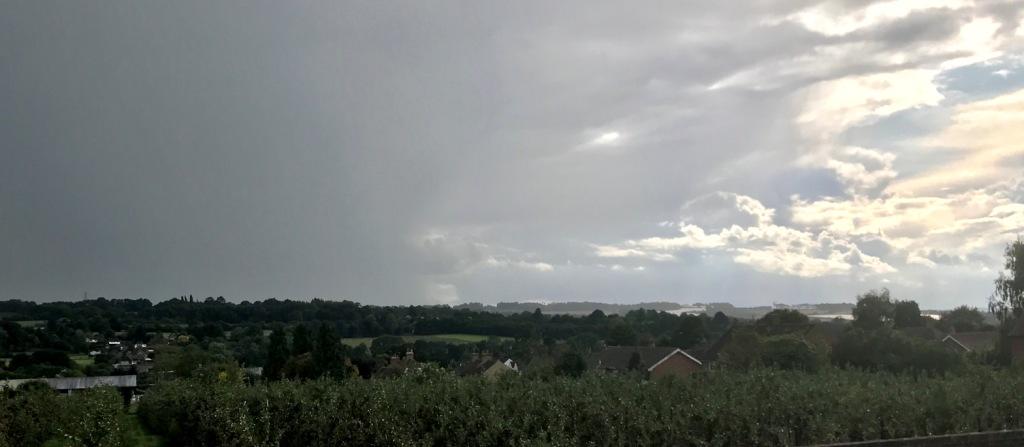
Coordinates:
35 415
887 350
762 407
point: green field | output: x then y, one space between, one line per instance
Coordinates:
31 323
447 338
82 359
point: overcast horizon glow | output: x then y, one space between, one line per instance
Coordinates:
396 153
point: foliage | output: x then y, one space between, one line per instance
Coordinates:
277 354
782 321
192 361
622 334
906 314
888 350
963 319
874 309
791 352
34 416
302 341
571 364
1008 298
763 407
743 350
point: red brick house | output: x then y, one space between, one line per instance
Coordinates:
1016 341
655 362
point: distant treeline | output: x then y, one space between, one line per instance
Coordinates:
578 307
350 319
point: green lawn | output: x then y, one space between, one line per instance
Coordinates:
31 323
447 338
82 360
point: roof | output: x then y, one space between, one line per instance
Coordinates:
975 341
76 383
922 332
476 366
616 358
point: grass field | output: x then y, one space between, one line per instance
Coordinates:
31 323
447 338
82 359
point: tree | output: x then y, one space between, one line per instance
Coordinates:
742 350
873 310
906 314
962 319
782 321
301 340
720 322
585 343
789 352
635 364
1008 298
277 355
138 334
571 364
327 352
621 334
688 332
388 345
888 350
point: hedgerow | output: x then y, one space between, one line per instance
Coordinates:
764 407
37 416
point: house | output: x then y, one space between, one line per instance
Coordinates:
655 362
499 368
396 365
1016 342
488 367
971 341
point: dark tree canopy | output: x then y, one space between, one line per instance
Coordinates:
302 341
963 319
907 314
874 309
783 321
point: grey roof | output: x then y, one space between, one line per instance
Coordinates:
975 341
76 383
616 358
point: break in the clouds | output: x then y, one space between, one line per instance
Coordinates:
749 152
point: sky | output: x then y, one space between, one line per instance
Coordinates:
413 152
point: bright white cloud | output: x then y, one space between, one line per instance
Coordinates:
607 138
862 170
442 293
833 19
963 226
988 137
760 243
447 253
832 107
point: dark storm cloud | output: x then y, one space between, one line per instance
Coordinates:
401 152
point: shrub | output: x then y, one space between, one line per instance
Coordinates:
35 415
762 407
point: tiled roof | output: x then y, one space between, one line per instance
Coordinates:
617 358
976 341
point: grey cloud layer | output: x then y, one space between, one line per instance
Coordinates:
400 153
